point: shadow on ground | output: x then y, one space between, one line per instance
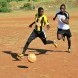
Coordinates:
40 51
43 51
14 55
21 66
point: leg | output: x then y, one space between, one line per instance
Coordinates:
68 35
31 37
59 36
69 42
63 38
42 36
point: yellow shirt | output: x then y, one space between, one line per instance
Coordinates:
40 22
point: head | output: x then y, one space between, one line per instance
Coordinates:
62 8
40 11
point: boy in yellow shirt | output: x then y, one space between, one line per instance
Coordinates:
40 22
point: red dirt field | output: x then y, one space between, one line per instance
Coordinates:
51 62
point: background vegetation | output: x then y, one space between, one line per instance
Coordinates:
12 5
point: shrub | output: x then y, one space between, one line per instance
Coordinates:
4 6
36 0
28 6
20 0
5 9
3 3
9 0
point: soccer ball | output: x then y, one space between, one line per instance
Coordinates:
32 57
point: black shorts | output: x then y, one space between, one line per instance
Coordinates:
64 32
40 34
36 34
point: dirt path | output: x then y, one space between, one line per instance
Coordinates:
51 62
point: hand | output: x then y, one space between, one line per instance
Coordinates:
66 21
30 26
54 19
62 20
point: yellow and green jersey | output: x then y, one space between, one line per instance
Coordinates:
40 22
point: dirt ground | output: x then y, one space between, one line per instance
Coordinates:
51 62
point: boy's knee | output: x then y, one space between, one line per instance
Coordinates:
59 36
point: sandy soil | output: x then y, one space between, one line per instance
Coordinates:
51 62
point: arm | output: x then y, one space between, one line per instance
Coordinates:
55 17
31 24
46 22
66 21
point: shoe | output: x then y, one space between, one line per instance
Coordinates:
69 50
54 43
20 56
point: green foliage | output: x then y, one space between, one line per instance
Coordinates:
4 6
20 0
28 6
4 9
36 0
3 3
9 0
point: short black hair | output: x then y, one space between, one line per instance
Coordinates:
40 8
62 5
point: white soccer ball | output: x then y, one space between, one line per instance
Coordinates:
32 57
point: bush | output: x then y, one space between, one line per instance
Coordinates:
9 0
28 6
4 6
3 3
36 0
20 0
5 9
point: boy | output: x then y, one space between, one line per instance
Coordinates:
40 22
63 25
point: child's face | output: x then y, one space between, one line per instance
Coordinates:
41 12
62 8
